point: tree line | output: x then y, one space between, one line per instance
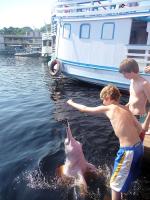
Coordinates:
23 31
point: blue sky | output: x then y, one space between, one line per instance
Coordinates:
20 13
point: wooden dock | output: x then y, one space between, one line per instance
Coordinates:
147 148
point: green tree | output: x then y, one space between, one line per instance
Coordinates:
15 31
46 28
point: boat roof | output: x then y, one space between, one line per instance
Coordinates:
76 10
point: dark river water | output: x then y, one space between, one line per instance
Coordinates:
32 108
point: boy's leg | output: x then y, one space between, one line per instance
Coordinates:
116 195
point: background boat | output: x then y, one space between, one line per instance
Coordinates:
29 52
46 46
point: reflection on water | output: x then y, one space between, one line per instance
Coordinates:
33 106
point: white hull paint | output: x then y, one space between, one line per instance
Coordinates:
99 75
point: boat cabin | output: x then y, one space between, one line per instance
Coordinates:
93 37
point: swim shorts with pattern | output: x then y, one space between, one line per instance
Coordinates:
126 167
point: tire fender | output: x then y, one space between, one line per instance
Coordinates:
55 67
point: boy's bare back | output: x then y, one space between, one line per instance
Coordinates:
125 126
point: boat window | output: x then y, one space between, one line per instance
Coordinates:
138 32
108 31
85 31
66 30
46 43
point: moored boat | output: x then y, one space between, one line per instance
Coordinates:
30 52
46 46
93 37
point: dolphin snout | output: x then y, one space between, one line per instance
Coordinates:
67 141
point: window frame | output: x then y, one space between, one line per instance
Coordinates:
89 33
113 31
69 30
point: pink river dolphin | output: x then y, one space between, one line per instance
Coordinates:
76 166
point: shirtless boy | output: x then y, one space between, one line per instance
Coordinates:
139 88
127 129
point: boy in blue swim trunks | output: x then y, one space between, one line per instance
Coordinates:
127 129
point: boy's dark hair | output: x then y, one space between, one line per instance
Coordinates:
129 65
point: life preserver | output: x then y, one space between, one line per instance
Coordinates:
55 67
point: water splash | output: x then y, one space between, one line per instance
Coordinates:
35 180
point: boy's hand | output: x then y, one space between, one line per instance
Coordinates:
147 69
69 102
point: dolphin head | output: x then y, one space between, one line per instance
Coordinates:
69 137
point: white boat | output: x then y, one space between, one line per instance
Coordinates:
29 52
46 46
93 37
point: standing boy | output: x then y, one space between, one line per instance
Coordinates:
139 88
127 129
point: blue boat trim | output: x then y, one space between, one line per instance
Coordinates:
98 67
104 82
92 66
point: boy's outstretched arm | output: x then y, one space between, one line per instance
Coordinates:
83 108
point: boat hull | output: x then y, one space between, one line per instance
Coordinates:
96 74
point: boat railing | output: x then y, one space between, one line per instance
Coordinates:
53 29
139 52
76 8
46 36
